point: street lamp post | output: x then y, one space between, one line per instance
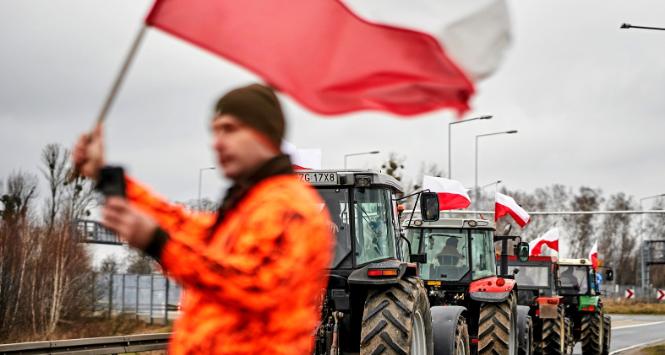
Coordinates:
475 190
643 267
482 188
627 26
486 117
361 153
200 173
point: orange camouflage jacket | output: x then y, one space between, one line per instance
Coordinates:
252 286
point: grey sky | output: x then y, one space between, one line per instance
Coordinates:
586 97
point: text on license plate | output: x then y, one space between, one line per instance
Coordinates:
319 178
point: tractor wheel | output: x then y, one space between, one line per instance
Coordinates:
554 335
397 320
570 342
497 327
607 334
525 331
461 338
592 333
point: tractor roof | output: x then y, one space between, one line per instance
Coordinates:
537 258
469 223
354 177
580 262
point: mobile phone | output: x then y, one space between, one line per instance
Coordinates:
111 181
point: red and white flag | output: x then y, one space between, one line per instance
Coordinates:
302 159
545 244
506 205
452 194
593 255
406 57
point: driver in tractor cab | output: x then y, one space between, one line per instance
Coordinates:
449 255
568 279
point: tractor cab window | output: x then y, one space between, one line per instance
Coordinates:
531 276
482 254
574 279
374 225
447 252
337 202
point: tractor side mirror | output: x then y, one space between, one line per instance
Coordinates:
609 274
418 258
507 229
429 206
522 251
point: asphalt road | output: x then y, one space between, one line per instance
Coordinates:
633 331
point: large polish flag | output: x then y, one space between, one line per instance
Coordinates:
302 159
452 194
593 255
545 244
506 205
403 57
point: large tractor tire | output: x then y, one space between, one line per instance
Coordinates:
397 320
554 335
592 333
450 331
497 327
607 334
525 331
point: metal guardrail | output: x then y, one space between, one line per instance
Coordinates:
92 346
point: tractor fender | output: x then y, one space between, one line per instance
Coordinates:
491 289
362 276
523 328
444 325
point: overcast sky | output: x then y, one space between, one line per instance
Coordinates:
587 99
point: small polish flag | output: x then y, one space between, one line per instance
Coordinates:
506 205
452 194
302 159
548 241
593 255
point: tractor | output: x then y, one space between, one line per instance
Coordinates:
375 303
538 280
583 305
463 287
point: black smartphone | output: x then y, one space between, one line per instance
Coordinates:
111 181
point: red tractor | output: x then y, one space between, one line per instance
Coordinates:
463 286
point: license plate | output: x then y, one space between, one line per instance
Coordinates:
319 178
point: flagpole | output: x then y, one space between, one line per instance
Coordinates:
120 77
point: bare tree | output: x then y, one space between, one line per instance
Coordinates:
616 242
139 263
582 227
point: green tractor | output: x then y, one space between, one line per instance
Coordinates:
375 303
584 306
539 283
478 306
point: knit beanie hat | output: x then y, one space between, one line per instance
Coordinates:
257 106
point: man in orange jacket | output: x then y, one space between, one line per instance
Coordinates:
253 272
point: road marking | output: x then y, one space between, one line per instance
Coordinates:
637 346
637 325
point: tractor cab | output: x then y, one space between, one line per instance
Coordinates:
577 278
457 251
536 277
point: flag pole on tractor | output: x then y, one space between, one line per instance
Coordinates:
119 78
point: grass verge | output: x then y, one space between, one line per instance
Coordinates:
633 307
